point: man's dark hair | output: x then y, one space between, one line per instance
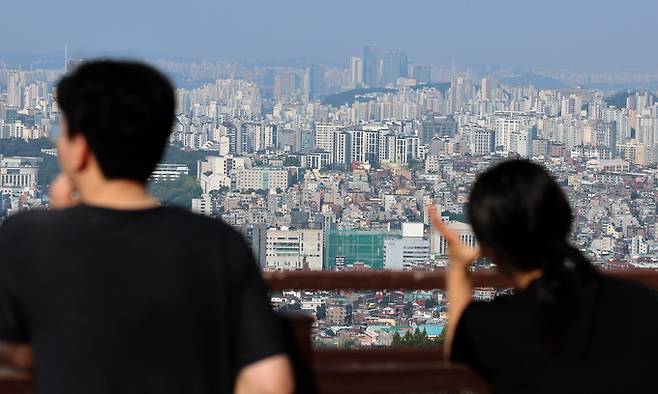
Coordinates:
124 109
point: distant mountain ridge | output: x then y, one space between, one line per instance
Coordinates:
536 80
348 97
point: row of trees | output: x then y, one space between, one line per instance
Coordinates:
417 338
177 193
48 168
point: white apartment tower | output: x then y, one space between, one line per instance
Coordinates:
356 72
324 136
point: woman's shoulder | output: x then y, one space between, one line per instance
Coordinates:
617 291
503 307
613 284
516 308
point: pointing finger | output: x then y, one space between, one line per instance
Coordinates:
451 236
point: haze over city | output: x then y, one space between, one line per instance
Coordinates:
579 35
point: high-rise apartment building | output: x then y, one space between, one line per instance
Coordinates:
285 84
504 129
571 105
482 141
441 126
459 93
422 73
261 178
324 136
270 133
646 129
394 67
365 146
369 66
342 149
15 87
488 84
256 237
356 72
605 134
314 83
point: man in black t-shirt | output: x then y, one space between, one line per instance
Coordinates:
116 294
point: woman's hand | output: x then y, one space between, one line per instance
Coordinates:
62 193
461 256
458 282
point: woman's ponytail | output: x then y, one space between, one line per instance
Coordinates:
564 296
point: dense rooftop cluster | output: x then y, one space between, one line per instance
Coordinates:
331 168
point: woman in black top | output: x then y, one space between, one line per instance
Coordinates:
567 328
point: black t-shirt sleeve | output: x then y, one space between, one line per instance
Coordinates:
463 348
259 331
12 328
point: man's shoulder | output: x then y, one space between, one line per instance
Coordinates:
49 219
30 218
195 217
17 233
199 221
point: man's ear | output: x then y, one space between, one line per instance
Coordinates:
80 152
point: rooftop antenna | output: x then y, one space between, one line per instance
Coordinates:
66 57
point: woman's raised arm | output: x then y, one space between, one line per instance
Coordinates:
458 282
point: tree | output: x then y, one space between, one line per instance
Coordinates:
397 339
179 192
321 312
291 161
430 303
349 344
190 158
440 340
459 217
414 165
300 176
408 338
408 309
293 306
48 168
618 99
21 147
419 338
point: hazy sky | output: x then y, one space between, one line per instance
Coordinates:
583 34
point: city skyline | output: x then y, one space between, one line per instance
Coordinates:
329 169
582 35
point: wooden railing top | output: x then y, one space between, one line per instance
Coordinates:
422 377
410 280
